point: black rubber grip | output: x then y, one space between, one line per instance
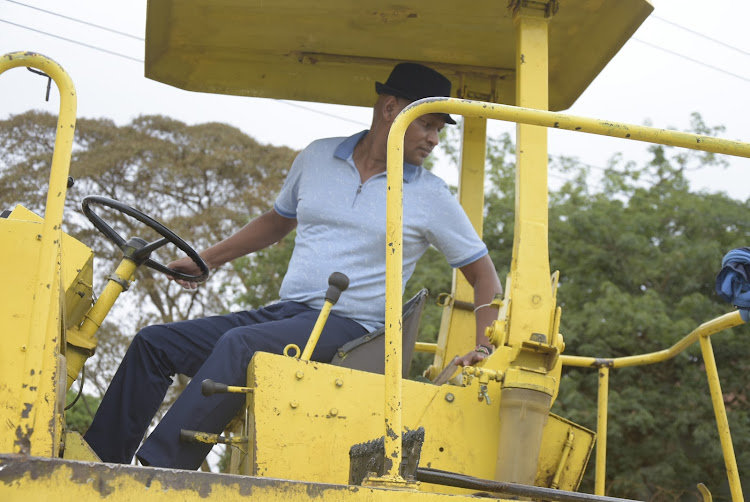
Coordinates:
337 283
209 387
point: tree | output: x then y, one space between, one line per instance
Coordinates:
638 259
202 181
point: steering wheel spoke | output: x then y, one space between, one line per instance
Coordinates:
142 253
161 268
150 248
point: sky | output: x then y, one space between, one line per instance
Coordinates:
689 56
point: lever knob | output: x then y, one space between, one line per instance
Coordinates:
337 283
209 387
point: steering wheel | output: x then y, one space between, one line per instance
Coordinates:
141 254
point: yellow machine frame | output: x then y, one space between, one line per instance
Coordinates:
332 407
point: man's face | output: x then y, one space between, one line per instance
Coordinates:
422 135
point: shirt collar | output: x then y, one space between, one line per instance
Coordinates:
346 150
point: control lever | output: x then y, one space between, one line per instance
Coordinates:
188 436
209 388
337 282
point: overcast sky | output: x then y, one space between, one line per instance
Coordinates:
646 81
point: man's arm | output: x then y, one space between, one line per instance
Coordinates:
482 276
266 229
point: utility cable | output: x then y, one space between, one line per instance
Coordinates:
288 103
143 39
322 113
691 59
72 41
654 46
78 20
700 35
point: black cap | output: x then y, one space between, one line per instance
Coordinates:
414 81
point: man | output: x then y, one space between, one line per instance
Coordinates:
335 196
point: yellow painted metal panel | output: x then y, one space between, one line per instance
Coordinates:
531 294
553 450
299 407
333 51
77 271
23 479
18 245
76 448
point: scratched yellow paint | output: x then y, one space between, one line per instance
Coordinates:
304 416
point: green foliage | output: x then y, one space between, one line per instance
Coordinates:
639 260
638 257
80 415
203 182
434 273
262 273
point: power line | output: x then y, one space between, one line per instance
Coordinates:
691 59
322 113
72 41
654 46
701 35
288 103
78 20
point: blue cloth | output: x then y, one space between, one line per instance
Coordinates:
733 281
219 348
341 226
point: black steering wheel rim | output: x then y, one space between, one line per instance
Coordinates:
162 230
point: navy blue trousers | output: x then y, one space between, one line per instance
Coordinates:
219 348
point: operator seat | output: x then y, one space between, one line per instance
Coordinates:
367 353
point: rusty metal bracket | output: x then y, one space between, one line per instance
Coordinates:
119 280
49 80
188 436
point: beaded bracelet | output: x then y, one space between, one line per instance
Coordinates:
483 349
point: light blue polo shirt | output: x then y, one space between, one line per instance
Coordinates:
341 226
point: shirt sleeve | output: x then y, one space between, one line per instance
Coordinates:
286 201
451 231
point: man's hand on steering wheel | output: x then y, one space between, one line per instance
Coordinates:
187 266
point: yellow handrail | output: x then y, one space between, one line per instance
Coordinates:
702 333
709 328
66 122
394 235
41 358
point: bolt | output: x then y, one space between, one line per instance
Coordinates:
299 375
450 397
23 348
294 404
38 237
339 382
334 412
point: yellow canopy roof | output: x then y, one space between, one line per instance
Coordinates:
333 51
